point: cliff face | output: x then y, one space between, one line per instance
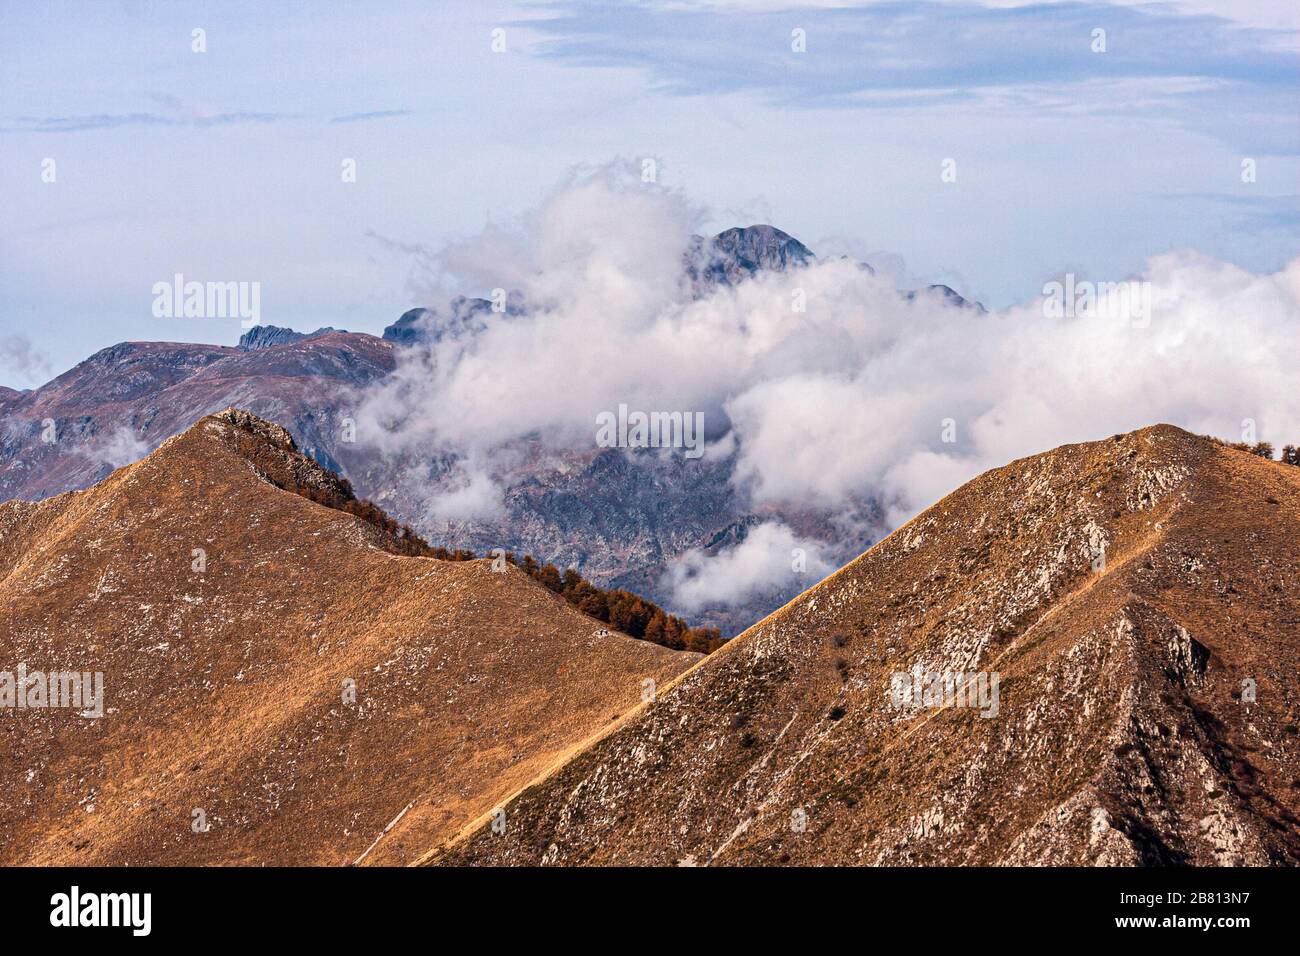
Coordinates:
277 686
1133 602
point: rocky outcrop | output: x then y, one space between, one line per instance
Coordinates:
740 253
269 336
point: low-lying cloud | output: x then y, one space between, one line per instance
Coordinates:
21 362
119 448
832 387
769 558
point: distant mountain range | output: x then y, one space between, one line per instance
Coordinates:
620 517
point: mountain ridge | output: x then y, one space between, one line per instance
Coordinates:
1119 729
226 616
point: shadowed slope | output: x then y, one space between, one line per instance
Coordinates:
1121 735
224 687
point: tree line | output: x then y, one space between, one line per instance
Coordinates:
1264 449
622 610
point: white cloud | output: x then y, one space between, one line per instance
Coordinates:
770 559
22 362
120 448
469 495
842 403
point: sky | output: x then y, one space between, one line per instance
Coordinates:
226 164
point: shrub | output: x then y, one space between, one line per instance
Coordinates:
622 610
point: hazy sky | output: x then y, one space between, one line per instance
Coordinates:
225 165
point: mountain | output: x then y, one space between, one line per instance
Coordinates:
1135 599
740 253
266 336
464 316
407 330
947 295
725 259
123 400
227 615
621 518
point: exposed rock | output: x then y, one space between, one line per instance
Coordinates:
947 295
740 253
463 316
268 336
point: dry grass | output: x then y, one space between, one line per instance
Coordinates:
224 688
1122 737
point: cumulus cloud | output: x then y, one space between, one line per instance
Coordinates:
863 396
770 559
600 267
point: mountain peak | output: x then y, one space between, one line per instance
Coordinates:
272 452
269 336
743 251
246 421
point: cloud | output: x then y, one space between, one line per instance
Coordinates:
597 263
373 115
770 559
940 50
20 360
76 124
863 401
468 494
122 447
1038 58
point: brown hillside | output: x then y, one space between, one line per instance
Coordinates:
223 689
1121 736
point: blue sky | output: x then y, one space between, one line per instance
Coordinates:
225 165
